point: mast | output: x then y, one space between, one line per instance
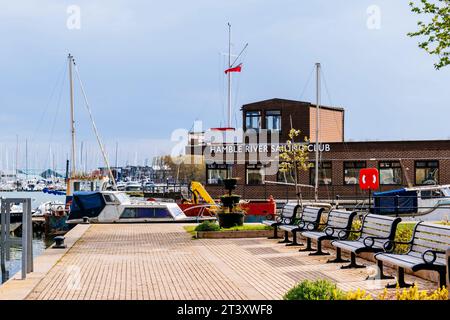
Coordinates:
72 116
17 158
316 171
229 75
26 159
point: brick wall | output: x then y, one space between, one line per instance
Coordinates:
407 152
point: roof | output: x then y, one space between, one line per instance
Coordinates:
310 104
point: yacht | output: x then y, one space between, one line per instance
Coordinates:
133 186
118 207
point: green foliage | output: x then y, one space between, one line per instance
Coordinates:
315 290
207 226
436 32
356 225
291 154
403 233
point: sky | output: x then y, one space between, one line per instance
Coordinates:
150 67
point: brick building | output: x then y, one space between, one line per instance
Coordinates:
400 163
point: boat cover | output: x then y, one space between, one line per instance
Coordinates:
86 204
385 202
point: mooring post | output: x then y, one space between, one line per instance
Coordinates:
27 204
24 241
7 242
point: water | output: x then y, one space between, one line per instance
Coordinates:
14 264
39 242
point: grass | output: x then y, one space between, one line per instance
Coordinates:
245 227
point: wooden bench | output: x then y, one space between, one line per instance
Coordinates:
287 217
426 251
338 223
309 220
375 231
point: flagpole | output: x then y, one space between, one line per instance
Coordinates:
229 75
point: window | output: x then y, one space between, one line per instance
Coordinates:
390 172
325 173
255 174
134 213
253 120
215 173
287 177
109 198
351 171
427 172
273 120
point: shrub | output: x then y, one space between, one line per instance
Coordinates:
207 226
358 295
404 233
414 293
356 225
315 290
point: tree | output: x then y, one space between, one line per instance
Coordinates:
294 158
182 170
437 31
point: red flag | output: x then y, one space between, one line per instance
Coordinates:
238 68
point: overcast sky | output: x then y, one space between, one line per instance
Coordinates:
150 67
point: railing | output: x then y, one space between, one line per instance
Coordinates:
27 235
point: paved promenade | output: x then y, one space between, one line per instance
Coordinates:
161 261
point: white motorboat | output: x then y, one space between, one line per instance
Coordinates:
117 207
133 186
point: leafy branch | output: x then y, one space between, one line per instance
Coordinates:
436 32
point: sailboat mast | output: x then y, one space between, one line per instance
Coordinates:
229 75
316 171
72 115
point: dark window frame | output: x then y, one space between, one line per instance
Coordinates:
255 167
260 116
321 164
390 162
356 167
221 166
265 119
426 166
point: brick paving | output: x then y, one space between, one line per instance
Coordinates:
161 261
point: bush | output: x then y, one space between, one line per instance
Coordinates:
315 290
207 226
404 233
414 293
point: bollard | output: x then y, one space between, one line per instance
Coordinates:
59 243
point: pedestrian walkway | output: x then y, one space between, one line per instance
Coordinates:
162 261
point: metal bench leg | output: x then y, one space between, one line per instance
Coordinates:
338 258
275 233
400 280
380 274
442 279
294 240
353 263
319 251
308 246
286 238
